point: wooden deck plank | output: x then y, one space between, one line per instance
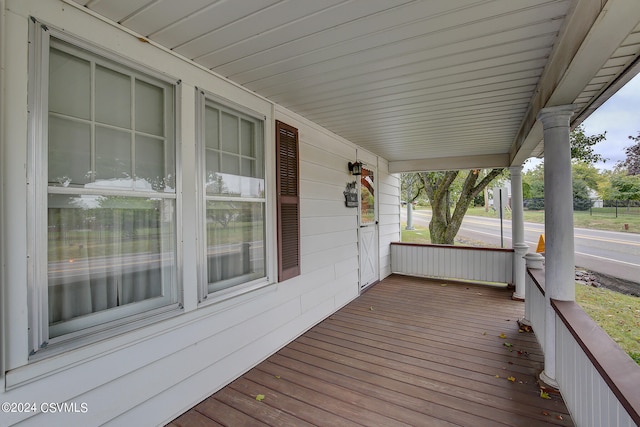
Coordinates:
296 406
447 373
460 399
225 414
259 410
193 419
409 351
339 402
400 406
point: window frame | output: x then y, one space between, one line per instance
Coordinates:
120 318
205 297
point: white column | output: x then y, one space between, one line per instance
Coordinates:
558 218
517 233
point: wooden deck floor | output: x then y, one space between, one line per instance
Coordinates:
409 351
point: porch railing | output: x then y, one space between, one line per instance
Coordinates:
599 382
535 303
452 262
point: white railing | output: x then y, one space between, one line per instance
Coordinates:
534 303
452 262
599 382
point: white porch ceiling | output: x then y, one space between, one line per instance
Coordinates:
434 84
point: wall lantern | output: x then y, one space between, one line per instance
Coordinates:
355 168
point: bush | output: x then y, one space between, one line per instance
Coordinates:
581 204
534 204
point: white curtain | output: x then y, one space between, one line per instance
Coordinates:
101 258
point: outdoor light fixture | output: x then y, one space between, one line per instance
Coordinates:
355 168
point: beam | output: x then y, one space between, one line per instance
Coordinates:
486 161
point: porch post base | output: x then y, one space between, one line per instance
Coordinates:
548 383
517 297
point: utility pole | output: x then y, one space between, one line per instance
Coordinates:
409 182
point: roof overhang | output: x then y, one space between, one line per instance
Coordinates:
440 84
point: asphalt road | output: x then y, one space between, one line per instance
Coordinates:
614 253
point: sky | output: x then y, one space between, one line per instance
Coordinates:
620 118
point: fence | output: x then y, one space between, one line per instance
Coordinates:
610 208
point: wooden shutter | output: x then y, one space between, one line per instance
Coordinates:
288 185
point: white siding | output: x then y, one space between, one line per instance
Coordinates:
150 375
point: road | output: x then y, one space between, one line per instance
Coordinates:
614 253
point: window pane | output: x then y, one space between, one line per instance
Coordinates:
106 253
367 197
113 156
69 152
69 85
230 164
150 164
113 98
230 135
248 167
149 108
211 128
247 133
235 243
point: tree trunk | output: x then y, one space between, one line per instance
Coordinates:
444 225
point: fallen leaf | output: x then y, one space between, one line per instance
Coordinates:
544 395
560 417
277 376
545 413
484 333
507 344
497 376
260 397
443 284
371 308
502 335
512 379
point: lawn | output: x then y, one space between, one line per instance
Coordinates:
581 219
617 314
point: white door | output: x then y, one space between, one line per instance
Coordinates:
368 235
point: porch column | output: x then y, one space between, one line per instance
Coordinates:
558 218
517 233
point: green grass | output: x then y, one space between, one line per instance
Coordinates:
419 235
580 219
617 314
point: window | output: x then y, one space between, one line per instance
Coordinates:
104 164
288 184
232 147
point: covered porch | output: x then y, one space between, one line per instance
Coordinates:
409 351
394 85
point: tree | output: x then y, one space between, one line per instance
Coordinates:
440 188
588 173
632 162
582 146
622 186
